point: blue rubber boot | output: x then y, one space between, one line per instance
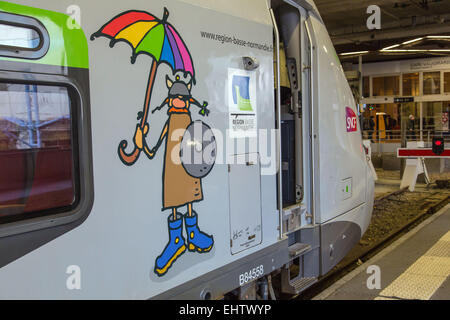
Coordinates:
197 241
174 249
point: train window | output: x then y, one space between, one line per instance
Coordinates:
37 166
22 37
13 36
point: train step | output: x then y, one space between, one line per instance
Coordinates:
296 285
293 282
299 249
302 284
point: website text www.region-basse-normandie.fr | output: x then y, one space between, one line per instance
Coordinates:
231 39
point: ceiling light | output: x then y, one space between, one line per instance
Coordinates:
353 53
391 47
412 41
438 37
404 50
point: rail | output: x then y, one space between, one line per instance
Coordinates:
395 136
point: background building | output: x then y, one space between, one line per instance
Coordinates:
413 95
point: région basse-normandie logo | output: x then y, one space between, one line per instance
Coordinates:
241 93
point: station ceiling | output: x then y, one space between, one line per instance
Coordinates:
401 21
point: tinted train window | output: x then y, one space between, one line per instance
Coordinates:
36 151
12 36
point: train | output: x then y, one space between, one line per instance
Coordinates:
174 149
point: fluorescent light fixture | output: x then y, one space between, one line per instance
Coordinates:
412 41
438 37
417 50
391 47
404 50
353 53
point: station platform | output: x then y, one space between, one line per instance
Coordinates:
414 267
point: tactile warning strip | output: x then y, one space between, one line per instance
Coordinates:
440 249
433 266
423 277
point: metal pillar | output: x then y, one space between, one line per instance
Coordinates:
421 120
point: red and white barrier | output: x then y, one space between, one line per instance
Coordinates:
421 153
415 156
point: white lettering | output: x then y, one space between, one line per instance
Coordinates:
74 21
190 310
74 280
374 21
374 281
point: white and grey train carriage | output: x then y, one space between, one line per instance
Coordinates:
145 151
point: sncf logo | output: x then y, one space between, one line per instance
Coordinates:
351 120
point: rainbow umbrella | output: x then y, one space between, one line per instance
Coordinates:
150 36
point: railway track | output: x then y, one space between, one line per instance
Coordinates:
420 205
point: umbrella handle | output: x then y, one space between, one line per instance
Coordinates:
128 158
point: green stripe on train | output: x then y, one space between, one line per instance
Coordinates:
68 47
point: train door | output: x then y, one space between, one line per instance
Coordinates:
292 106
296 133
329 157
297 114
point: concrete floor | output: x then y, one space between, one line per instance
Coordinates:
417 266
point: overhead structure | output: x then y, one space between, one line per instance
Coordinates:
401 21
